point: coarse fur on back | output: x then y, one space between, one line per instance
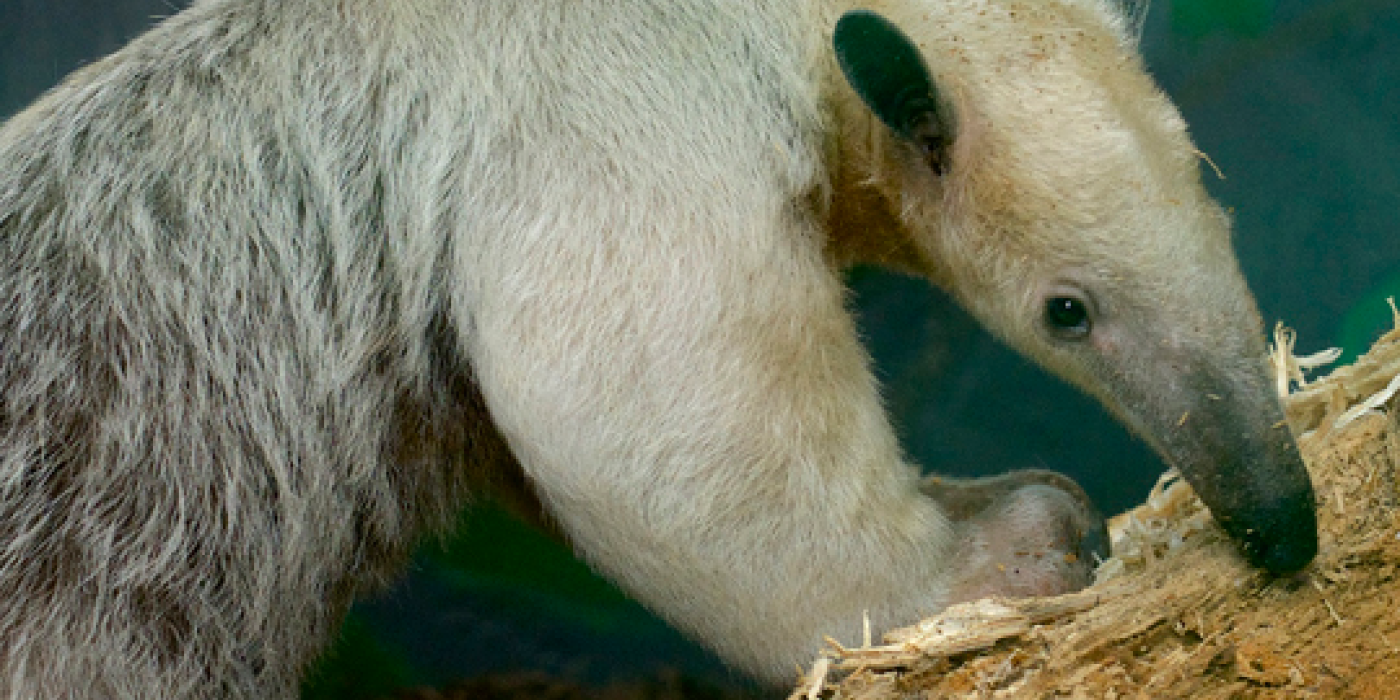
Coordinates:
283 281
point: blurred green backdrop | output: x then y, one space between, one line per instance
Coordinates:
1294 100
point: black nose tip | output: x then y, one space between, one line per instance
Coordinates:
1286 542
1282 556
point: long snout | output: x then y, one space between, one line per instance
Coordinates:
1256 487
1232 444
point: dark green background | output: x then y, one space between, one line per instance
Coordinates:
1293 99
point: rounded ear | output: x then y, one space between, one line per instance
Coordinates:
888 73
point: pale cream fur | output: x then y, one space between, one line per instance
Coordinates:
258 265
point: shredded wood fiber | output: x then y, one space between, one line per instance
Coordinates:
1175 612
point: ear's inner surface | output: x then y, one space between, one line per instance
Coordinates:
888 73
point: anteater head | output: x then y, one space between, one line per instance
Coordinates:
1029 165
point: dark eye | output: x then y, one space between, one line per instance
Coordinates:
1067 317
